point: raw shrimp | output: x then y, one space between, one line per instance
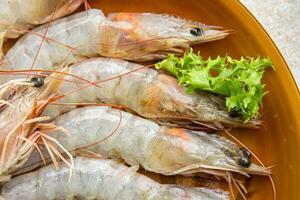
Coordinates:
89 33
99 179
137 141
18 16
146 92
21 104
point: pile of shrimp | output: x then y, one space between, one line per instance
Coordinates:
84 113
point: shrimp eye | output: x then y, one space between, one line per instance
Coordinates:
244 152
244 161
196 31
233 114
37 81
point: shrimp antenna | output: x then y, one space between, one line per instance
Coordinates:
87 6
38 133
105 138
10 84
45 33
28 72
24 129
31 141
230 185
50 143
237 187
256 157
105 80
120 107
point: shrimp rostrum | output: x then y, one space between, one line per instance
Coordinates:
99 179
169 151
18 16
141 36
146 92
129 36
21 104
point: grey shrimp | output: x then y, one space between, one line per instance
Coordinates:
99 179
90 33
169 151
146 92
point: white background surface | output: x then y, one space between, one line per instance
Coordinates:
281 19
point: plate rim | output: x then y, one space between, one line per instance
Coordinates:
273 44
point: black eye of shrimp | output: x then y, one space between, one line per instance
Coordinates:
37 81
244 161
233 114
196 31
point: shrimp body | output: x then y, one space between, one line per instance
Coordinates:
99 179
18 16
146 92
137 141
90 33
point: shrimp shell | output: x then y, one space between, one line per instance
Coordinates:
146 92
99 179
137 141
90 33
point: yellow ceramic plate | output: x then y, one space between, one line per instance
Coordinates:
278 141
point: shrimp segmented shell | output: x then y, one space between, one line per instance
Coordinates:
90 33
99 179
146 92
125 137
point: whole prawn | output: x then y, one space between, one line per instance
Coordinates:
137 141
18 16
90 33
146 92
99 179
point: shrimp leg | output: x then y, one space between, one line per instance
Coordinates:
22 102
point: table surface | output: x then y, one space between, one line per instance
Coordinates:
281 20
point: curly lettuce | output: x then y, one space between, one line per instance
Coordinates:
238 80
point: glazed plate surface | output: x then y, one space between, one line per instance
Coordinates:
277 142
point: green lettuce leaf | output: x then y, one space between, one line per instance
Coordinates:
238 80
